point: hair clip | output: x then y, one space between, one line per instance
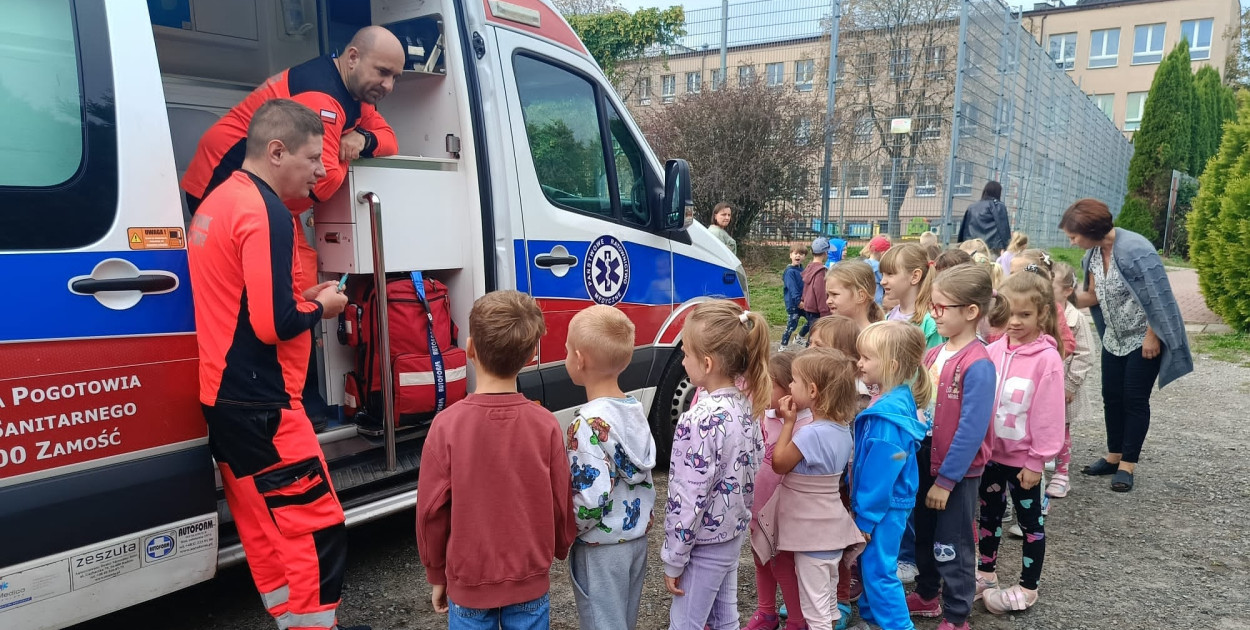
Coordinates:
745 317
1033 269
932 263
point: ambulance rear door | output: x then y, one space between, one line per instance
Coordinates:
106 482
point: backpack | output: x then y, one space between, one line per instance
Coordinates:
428 370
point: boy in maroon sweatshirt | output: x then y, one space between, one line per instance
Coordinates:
487 532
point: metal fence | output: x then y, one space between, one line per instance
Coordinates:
930 101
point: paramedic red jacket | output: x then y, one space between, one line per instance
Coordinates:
314 83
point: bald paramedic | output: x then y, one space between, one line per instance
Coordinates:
253 326
343 91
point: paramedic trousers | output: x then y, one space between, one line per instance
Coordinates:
288 516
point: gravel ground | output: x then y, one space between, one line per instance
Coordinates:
1170 554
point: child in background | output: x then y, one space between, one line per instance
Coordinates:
611 454
950 258
778 571
1039 261
814 281
716 453
905 275
837 250
527 479
1019 242
849 288
810 517
885 477
1075 368
976 246
834 331
792 293
876 248
928 239
932 251
1030 386
953 457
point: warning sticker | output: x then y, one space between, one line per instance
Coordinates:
104 564
33 585
156 238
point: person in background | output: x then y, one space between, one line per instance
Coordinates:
837 251
1019 243
792 295
987 219
876 247
815 302
722 215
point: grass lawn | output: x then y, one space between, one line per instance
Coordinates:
1073 255
1230 347
764 266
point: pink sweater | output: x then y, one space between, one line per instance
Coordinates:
1028 404
766 481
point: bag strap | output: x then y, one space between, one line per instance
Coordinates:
436 355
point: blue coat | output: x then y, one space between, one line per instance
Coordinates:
887 436
793 292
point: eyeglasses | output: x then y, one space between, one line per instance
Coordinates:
940 309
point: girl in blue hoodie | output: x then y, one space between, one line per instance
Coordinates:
885 476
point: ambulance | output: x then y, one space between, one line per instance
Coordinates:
519 168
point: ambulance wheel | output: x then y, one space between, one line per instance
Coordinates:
672 399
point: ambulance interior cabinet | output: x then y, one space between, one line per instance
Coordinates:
424 217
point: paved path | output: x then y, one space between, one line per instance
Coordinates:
1198 318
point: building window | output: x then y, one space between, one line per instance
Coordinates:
1148 43
746 75
1104 48
1003 119
930 122
1106 103
1133 112
718 81
804 133
926 180
694 82
935 62
841 69
833 182
644 91
969 119
1063 50
1198 32
668 88
889 175
863 129
963 178
865 68
857 180
804 72
775 73
900 64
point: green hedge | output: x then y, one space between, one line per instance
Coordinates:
1219 225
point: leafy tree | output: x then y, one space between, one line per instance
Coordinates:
1135 217
1237 64
1214 105
743 144
1219 241
616 37
1165 140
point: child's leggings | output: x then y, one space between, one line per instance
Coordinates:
711 585
997 481
1064 458
883 601
779 572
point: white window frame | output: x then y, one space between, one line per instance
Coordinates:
1067 42
644 91
717 80
1133 124
1198 52
1150 55
930 122
1004 117
1099 55
668 88
864 128
694 82
1105 103
804 74
963 179
746 74
833 180
859 186
926 180
887 182
969 119
935 61
803 135
866 62
775 73
900 64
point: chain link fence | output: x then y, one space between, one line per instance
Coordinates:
930 101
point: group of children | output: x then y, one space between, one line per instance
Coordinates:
928 415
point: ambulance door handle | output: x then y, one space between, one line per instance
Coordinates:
547 261
146 283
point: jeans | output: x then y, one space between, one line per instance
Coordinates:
1126 385
531 615
793 323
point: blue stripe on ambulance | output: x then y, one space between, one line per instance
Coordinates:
48 310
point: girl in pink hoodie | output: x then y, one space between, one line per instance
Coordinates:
1027 432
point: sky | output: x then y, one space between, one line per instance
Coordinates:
634 5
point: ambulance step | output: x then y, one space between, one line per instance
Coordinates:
374 469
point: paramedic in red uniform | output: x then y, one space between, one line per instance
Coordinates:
343 91
253 327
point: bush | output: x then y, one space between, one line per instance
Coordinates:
1219 242
1135 216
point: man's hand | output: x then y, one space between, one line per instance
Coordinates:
1028 478
350 146
438 599
332 302
311 294
673 584
936 499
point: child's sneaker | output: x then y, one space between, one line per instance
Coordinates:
985 581
845 620
1015 530
946 625
907 572
918 606
763 621
1058 487
1012 599
781 347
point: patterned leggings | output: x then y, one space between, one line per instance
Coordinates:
997 481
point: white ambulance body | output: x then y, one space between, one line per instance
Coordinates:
519 168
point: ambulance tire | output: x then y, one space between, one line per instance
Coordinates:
672 398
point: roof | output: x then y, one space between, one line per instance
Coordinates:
1087 5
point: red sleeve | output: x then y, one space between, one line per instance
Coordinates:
266 242
332 116
434 506
372 121
562 495
822 295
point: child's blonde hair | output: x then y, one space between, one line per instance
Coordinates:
900 347
907 258
1019 241
780 367
1039 257
605 336
968 283
505 327
997 274
975 246
1066 275
928 238
856 275
738 340
838 332
1032 285
833 373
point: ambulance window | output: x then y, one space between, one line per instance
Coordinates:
630 173
58 162
566 141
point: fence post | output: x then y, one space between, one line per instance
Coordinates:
961 58
724 45
830 106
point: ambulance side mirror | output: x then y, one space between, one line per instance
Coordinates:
678 206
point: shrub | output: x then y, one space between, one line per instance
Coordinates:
1219 226
1135 216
